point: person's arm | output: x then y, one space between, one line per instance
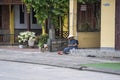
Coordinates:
70 44
74 43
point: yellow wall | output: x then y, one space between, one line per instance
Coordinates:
65 27
89 39
108 23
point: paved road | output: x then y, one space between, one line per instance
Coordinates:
50 58
24 71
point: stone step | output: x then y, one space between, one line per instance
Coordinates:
95 52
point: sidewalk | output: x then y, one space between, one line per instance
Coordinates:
34 56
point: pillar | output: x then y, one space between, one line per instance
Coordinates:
108 24
73 17
11 24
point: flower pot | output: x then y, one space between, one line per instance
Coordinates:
41 49
31 43
21 46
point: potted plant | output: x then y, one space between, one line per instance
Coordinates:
26 37
42 40
31 41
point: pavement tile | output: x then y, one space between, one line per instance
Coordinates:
34 56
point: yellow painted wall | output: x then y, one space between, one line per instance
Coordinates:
65 26
89 39
108 23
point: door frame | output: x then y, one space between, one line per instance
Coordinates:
117 25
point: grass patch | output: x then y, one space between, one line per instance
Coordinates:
113 66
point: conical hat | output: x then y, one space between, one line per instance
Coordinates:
70 36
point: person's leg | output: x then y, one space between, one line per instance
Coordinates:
66 50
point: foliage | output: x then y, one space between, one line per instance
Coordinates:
42 40
23 37
48 8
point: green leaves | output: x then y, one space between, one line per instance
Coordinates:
52 7
45 8
42 40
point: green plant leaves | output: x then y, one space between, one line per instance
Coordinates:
42 40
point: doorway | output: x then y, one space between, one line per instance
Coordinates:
88 24
117 25
0 17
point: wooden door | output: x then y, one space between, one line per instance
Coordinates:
117 24
88 17
0 23
0 17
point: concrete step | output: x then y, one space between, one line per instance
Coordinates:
95 52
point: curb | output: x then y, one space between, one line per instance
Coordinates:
99 70
82 68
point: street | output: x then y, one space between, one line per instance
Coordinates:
24 71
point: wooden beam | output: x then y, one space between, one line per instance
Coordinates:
10 2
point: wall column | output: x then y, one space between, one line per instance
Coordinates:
73 17
11 24
108 24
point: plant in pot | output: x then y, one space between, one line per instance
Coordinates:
25 37
42 41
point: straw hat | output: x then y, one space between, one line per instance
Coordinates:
70 36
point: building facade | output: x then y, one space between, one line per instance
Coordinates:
108 37
14 19
103 17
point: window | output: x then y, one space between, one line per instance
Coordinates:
22 16
88 19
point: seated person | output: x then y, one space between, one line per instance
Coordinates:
72 43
